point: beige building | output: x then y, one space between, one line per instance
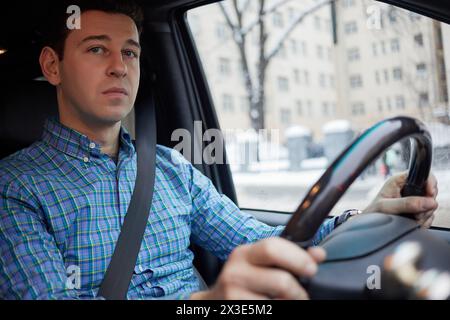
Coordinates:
383 62
388 63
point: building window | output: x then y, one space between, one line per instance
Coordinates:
299 108
392 15
424 99
304 49
224 67
294 47
333 109
221 32
353 54
400 102
227 101
374 49
395 45
356 81
283 84
418 39
358 109
282 52
291 13
322 83
380 105
397 73
421 70
296 76
351 27
383 47
285 115
317 23
414 16
348 3
332 82
388 104
306 77
386 76
328 26
377 77
245 106
310 108
320 52
325 109
278 19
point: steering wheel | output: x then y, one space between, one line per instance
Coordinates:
362 244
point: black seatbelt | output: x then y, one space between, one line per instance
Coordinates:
120 270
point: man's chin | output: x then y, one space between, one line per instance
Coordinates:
116 113
111 119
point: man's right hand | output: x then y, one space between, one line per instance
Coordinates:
267 269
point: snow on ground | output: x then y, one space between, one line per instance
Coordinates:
284 190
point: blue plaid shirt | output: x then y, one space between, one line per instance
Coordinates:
63 202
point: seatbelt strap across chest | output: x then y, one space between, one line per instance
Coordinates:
120 270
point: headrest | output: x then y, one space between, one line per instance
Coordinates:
23 110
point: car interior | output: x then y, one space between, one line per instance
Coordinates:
171 64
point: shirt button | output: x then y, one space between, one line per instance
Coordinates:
92 145
86 159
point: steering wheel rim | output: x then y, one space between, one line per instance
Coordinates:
344 170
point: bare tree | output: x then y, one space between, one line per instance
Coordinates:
236 13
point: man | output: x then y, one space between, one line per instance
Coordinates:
63 199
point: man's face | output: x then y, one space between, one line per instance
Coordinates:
99 74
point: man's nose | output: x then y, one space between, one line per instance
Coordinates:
117 67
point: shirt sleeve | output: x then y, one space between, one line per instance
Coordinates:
219 226
31 266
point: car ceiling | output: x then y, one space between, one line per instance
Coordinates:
436 9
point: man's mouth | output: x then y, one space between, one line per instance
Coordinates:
115 92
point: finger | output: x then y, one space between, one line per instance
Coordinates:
239 293
398 181
272 283
423 217
428 223
431 186
318 254
284 254
392 187
410 205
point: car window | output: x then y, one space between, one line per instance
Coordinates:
293 82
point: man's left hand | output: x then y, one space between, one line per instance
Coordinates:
389 200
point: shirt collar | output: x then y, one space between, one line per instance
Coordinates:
78 145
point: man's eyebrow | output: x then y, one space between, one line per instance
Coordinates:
134 43
98 38
108 38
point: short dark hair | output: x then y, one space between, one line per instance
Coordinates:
55 31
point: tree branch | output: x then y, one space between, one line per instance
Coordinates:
271 9
279 44
245 6
227 17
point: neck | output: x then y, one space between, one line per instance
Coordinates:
107 136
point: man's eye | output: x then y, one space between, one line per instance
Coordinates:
96 50
130 54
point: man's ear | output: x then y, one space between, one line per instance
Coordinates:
49 62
